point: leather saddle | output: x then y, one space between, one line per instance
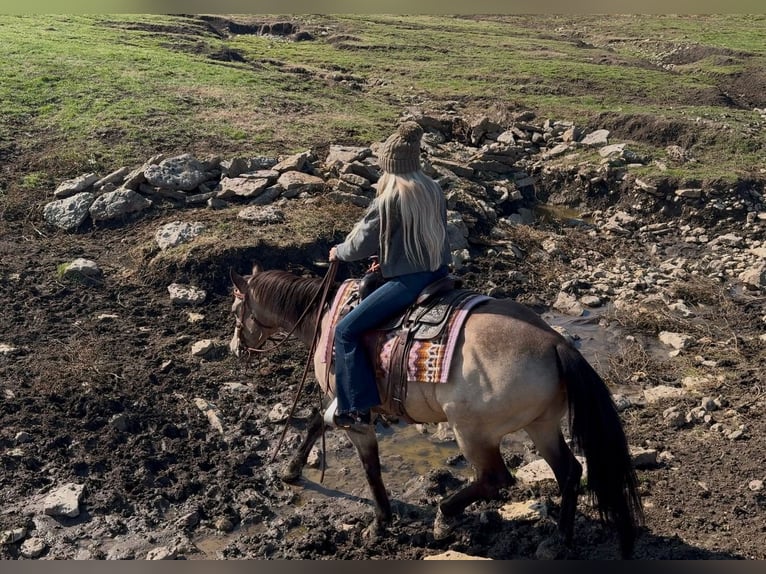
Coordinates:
427 318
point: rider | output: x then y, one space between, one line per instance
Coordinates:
406 227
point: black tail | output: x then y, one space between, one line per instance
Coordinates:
597 431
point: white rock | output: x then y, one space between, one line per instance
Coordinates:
6 349
596 138
186 294
539 470
755 485
69 213
73 186
176 233
662 392
82 268
454 555
203 347
161 553
643 457
64 501
12 536
116 204
211 412
183 173
278 413
33 548
268 214
568 304
527 511
676 340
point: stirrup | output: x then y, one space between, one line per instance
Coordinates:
329 414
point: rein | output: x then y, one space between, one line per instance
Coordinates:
324 290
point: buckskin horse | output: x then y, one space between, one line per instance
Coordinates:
510 371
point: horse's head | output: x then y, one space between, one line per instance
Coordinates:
253 324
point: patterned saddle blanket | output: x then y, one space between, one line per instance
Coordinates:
415 346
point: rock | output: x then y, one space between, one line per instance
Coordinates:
293 183
596 138
211 412
183 173
339 155
662 392
189 520
33 548
81 269
234 167
22 437
591 301
64 501
527 511
161 553
269 195
568 304
186 294
244 187
74 186
120 422
297 162
352 198
117 204
454 555
176 233
538 470
675 340
736 435
278 413
609 150
263 215
69 213
203 347
690 193
621 402
755 485
755 277
643 457
12 536
223 524
116 177
7 350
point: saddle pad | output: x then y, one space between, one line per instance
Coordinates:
428 360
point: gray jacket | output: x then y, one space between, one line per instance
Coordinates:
364 241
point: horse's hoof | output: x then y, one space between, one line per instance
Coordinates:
552 548
291 474
375 530
443 525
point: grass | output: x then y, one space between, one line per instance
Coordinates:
89 92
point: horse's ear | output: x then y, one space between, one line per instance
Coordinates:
256 269
239 282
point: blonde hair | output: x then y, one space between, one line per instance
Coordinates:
417 201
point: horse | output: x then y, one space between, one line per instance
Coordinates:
510 371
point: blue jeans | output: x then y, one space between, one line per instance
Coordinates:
355 384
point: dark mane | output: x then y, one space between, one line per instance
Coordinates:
284 293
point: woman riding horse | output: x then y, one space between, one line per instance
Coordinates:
406 226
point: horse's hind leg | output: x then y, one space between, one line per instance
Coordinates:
491 476
550 443
292 472
366 444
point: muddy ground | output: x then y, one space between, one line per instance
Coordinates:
102 382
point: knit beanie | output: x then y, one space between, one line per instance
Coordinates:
400 153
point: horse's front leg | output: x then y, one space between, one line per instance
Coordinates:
292 472
366 443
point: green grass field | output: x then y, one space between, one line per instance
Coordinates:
90 93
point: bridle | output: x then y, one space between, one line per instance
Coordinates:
321 295
244 313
